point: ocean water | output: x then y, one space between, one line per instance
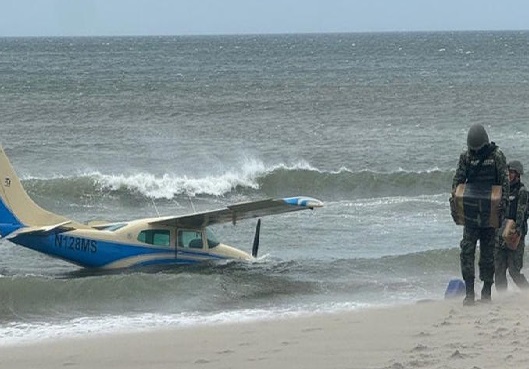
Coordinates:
117 128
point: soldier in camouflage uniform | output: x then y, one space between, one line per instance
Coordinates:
505 258
483 162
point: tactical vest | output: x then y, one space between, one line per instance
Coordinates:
513 200
484 172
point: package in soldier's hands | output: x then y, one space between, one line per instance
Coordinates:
476 205
509 234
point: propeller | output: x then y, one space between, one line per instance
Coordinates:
255 247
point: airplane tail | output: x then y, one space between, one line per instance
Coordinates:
17 210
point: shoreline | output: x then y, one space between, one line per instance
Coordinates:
434 334
103 326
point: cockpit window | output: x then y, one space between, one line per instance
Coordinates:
115 227
190 238
212 239
158 237
111 227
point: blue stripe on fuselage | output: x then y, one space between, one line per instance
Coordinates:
92 253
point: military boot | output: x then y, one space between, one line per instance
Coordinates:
486 292
469 290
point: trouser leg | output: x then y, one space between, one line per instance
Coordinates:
487 240
516 264
467 259
500 268
468 253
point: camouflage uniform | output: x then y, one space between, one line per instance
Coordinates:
505 258
493 170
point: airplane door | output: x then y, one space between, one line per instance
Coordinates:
190 239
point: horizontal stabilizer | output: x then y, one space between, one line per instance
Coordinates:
246 210
44 230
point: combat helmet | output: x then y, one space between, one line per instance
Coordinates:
516 166
477 137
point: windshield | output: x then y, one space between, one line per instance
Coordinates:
212 239
113 227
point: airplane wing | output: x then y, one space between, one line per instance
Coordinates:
56 228
246 210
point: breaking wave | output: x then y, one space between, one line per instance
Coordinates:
256 179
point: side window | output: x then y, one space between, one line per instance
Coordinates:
157 237
190 239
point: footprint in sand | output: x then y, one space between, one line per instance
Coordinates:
244 344
420 347
457 355
224 352
312 329
395 366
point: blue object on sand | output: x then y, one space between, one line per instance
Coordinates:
455 288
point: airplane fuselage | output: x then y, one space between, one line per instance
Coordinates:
79 248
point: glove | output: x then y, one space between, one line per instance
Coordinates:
453 209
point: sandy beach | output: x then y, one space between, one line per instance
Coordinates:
433 334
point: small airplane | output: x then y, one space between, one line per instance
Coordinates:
184 239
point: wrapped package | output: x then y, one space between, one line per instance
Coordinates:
476 205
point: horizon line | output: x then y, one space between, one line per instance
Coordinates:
263 33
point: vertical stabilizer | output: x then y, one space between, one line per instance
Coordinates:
16 207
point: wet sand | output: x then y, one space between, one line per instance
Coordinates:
435 334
